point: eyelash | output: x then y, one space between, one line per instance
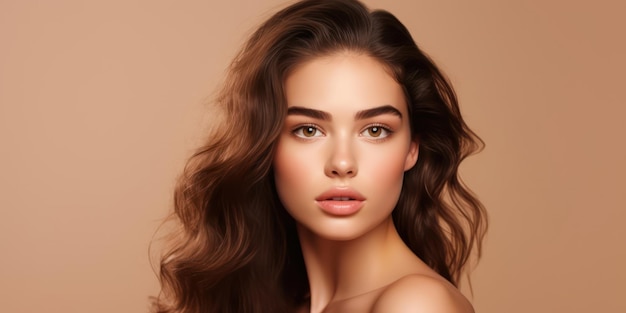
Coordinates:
386 129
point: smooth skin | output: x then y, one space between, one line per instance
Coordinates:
348 127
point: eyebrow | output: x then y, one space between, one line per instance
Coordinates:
385 109
316 114
361 115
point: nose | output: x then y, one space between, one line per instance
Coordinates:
341 161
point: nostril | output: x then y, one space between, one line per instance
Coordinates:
340 172
350 172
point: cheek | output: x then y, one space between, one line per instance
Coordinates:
384 171
384 165
292 171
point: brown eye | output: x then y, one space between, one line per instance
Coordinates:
307 132
376 132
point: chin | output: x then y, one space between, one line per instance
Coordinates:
339 229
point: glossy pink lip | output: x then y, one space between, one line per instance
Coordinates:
340 201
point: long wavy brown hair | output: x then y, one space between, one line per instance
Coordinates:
235 248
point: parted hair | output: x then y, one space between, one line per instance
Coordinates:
235 248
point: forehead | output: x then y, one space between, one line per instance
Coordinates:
348 81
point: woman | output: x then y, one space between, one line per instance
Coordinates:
331 183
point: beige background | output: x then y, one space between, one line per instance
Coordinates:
102 101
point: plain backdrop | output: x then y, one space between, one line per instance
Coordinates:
101 102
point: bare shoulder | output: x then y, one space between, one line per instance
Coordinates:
421 294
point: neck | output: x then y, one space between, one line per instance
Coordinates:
339 270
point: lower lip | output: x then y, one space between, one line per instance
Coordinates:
340 208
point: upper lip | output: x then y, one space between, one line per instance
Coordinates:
340 192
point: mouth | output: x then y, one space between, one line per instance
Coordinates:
340 201
340 194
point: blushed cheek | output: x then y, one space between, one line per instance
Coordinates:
290 172
386 171
282 167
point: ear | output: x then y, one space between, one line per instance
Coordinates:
411 157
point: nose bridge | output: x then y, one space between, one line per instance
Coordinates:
342 159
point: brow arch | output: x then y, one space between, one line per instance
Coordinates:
360 115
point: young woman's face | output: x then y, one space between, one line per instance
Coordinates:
345 146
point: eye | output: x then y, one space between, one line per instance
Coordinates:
307 131
376 131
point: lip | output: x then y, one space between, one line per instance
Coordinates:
340 201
